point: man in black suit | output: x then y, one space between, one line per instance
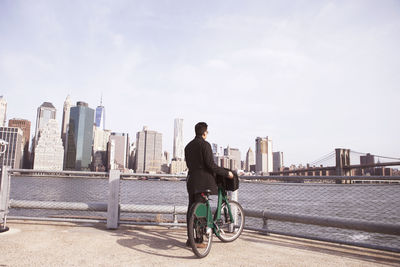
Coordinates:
202 169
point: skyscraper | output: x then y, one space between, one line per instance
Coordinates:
121 151
278 161
25 126
13 153
80 137
3 111
49 152
148 151
65 120
45 112
233 154
178 140
100 116
264 160
249 160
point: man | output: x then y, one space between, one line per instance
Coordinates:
202 169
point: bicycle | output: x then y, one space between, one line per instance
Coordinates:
227 223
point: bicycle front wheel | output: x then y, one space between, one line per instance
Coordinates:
200 236
228 230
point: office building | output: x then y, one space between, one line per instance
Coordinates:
100 159
12 157
65 120
148 151
100 116
25 126
80 137
49 152
233 154
178 166
264 160
277 161
45 112
119 157
249 160
3 111
178 151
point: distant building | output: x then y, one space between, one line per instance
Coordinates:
100 145
25 126
65 120
13 155
148 151
278 161
233 154
100 116
179 153
249 160
80 137
264 160
49 152
368 159
3 111
121 147
178 166
45 112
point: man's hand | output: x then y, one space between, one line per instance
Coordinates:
230 175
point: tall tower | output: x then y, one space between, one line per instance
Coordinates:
65 120
278 160
25 126
178 140
264 160
249 159
3 111
80 137
148 151
13 155
100 115
45 112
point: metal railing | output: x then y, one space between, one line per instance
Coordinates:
367 214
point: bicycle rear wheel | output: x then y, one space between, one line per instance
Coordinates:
229 231
200 236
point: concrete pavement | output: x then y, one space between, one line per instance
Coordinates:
32 243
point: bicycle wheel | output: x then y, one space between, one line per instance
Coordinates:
229 231
200 236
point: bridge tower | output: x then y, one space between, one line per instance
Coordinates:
342 160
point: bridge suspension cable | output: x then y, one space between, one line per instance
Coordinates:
323 158
384 157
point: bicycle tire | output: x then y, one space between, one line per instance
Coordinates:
227 232
197 231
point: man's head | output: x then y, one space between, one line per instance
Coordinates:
201 129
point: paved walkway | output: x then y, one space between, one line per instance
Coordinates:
31 243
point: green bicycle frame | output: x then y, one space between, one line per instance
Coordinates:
204 211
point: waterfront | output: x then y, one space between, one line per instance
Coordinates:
377 203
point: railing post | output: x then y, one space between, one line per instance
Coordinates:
113 200
265 225
4 197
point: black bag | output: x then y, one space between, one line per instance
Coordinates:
227 183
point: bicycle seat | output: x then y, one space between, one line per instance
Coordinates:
207 192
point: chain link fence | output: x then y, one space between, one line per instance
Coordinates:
156 199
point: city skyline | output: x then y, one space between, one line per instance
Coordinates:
303 74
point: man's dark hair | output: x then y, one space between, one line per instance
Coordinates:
200 128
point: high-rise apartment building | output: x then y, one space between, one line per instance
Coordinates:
249 160
264 160
148 151
179 153
49 152
65 120
45 112
3 111
120 146
278 161
100 116
25 126
13 154
80 137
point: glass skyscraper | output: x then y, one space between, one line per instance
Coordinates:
80 135
100 116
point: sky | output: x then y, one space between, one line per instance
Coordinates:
311 75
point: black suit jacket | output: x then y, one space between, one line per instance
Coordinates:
202 169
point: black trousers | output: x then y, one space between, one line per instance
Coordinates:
193 198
